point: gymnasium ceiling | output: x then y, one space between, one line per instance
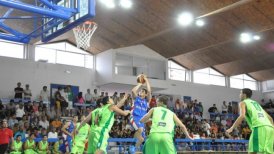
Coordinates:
153 23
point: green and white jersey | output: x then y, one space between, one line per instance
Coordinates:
82 133
255 115
162 121
106 117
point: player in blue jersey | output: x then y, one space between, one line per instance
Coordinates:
68 129
139 109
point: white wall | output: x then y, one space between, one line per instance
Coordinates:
104 67
39 74
140 50
268 89
207 94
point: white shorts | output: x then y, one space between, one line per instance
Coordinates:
70 106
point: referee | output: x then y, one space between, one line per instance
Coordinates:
6 136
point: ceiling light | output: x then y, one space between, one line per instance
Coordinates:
200 22
245 37
108 3
126 4
256 37
185 19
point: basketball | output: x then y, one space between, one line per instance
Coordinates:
140 79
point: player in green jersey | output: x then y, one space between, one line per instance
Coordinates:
261 124
160 139
43 146
80 139
16 147
103 123
30 145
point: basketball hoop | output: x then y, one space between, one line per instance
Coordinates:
83 34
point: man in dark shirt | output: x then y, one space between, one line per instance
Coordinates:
18 91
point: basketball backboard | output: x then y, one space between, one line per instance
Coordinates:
51 18
86 10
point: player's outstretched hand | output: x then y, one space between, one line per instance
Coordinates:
229 130
128 112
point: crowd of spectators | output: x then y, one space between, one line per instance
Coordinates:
43 117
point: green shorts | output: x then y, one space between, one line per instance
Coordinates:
98 140
159 143
78 147
261 140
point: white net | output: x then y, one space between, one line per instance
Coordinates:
83 34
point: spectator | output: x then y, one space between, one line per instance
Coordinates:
229 108
58 100
18 91
53 133
51 113
12 121
102 94
115 97
88 97
20 112
20 132
44 96
213 111
27 93
206 127
28 108
214 128
70 95
95 95
152 102
56 123
44 123
201 108
30 147
43 146
246 132
224 107
6 136
17 145
80 98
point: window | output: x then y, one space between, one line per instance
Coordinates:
63 53
177 72
209 76
10 49
243 81
44 54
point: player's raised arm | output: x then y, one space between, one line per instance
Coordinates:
119 111
88 118
240 118
122 101
180 124
147 116
148 88
135 90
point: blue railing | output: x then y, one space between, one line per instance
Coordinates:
190 145
123 144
